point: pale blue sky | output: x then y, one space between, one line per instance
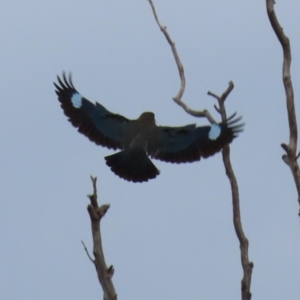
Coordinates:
173 237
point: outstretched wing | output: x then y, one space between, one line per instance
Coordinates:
190 143
93 120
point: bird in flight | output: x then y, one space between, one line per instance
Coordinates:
141 138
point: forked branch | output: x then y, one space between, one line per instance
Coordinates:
237 220
291 156
244 244
104 273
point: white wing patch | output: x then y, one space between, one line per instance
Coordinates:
76 100
214 132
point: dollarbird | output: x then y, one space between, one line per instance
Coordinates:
141 138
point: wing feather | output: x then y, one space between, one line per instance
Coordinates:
93 120
190 143
175 144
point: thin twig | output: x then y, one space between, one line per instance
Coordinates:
204 113
87 252
237 222
104 273
291 149
221 109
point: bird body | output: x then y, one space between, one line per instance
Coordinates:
138 139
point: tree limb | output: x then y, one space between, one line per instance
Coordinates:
290 158
237 222
104 273
244 244
204 113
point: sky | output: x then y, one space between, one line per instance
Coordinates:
172 237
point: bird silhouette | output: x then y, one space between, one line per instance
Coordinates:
141 138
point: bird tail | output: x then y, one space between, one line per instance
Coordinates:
132 165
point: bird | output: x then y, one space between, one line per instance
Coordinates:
141 139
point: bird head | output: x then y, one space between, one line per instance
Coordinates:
147 118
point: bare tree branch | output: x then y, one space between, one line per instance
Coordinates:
290 158
244 243
204 113
104 273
